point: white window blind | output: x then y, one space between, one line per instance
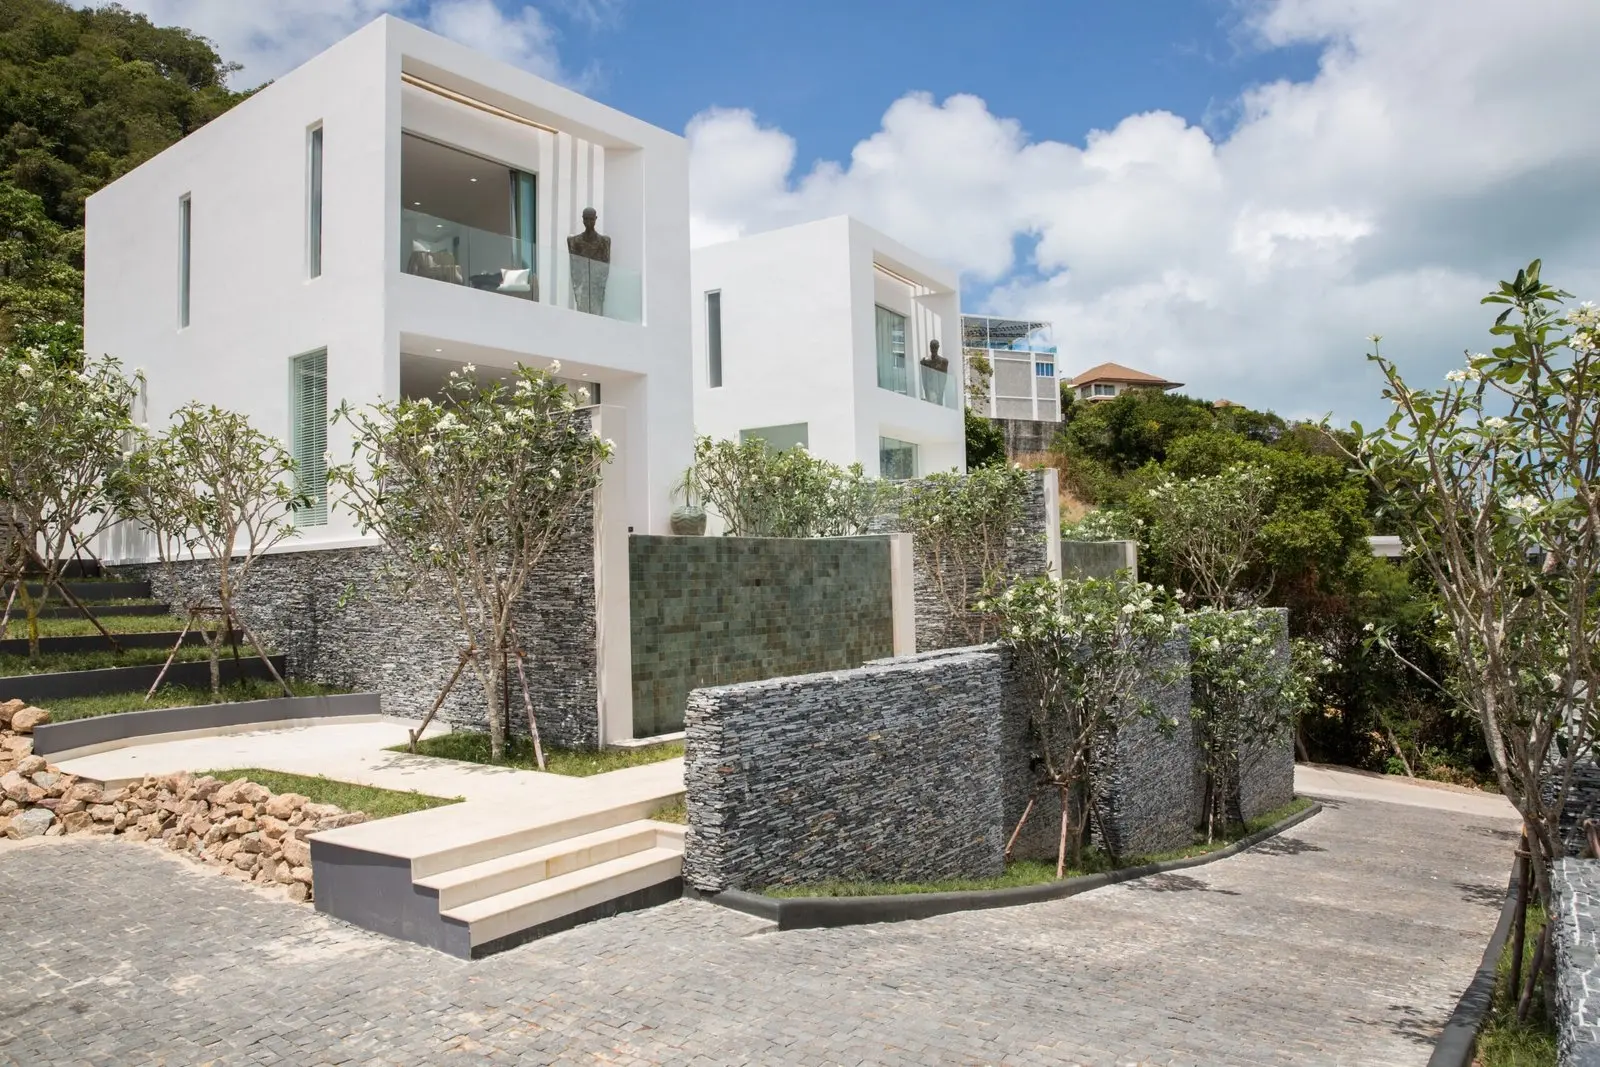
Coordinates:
308 437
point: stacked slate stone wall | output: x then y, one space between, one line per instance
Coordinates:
883 773
1575 917
341 619
1027 556
707 611
1266 768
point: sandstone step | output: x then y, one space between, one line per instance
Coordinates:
516 911
464 885
469 846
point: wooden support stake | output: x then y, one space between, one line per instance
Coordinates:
162 673
438 701
1011 844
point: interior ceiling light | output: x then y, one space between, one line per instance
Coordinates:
472 179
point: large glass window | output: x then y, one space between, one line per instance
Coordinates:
892 371
780 438
468 220
714 339
897 460
308 434
1105 389
184 211
314 204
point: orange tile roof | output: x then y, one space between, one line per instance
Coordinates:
1116 372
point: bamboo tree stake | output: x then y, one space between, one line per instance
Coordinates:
533 727
162 673
461 665
1519 928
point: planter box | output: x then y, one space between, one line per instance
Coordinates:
91 589
106 731
18 646
36 687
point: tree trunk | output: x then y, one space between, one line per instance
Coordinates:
495 691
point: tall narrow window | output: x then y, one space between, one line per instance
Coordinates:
314 204
308 434
892 372
183 261
714 338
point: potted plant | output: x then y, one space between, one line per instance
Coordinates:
688 519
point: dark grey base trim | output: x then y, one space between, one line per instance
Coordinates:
89 590
804 913
103 611
34 687
638 900
1459 1038
18 646
56 737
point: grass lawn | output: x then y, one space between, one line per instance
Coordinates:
579 763
175 696
82 627
1504 1042
1033 872
50 662
377 803
677 812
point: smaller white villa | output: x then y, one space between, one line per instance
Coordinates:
832 336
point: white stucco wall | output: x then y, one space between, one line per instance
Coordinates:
253 308
799 341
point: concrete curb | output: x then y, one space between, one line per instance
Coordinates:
63 684
82 737
803 913
1459 1038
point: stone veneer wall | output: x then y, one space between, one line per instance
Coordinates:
883 773
1266 769
1576 920
707 611
341 620
1027 556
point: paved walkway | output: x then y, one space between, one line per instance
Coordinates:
1344 941
357 752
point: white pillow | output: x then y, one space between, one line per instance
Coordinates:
515 281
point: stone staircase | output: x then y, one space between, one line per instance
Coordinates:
469 879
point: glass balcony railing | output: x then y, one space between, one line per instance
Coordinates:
936 387
447 251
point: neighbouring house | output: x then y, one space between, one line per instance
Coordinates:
1020 392
396 208
822 335
1113 379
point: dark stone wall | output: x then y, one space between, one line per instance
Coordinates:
1027 556
1266 768
707 611
341 619
883 773
1097 559
1575 919
1027 436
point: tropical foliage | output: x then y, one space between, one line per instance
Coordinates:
759 491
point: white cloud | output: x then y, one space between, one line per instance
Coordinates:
271 37
1423 161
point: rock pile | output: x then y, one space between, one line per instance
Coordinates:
242 827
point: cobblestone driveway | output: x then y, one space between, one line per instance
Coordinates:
1345 941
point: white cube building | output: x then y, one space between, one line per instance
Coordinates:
822 334
395 208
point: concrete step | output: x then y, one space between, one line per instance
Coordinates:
524 910
469 848
464 885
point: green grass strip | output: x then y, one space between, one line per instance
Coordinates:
1504 1042
1035 872
677 812
376 803
471 747
65 709
80 627
54 662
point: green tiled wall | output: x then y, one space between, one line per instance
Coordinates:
717 610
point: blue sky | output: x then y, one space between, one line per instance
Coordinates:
825 70
1232 193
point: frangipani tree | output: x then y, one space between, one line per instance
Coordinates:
212 487
1210 528
1248 688
1491 481
1089 654
468 493
759 491
64 425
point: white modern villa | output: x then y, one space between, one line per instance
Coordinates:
393 209
824 335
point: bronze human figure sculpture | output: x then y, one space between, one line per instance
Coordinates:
934 361
934 380
590 255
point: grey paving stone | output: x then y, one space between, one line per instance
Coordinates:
1344 942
